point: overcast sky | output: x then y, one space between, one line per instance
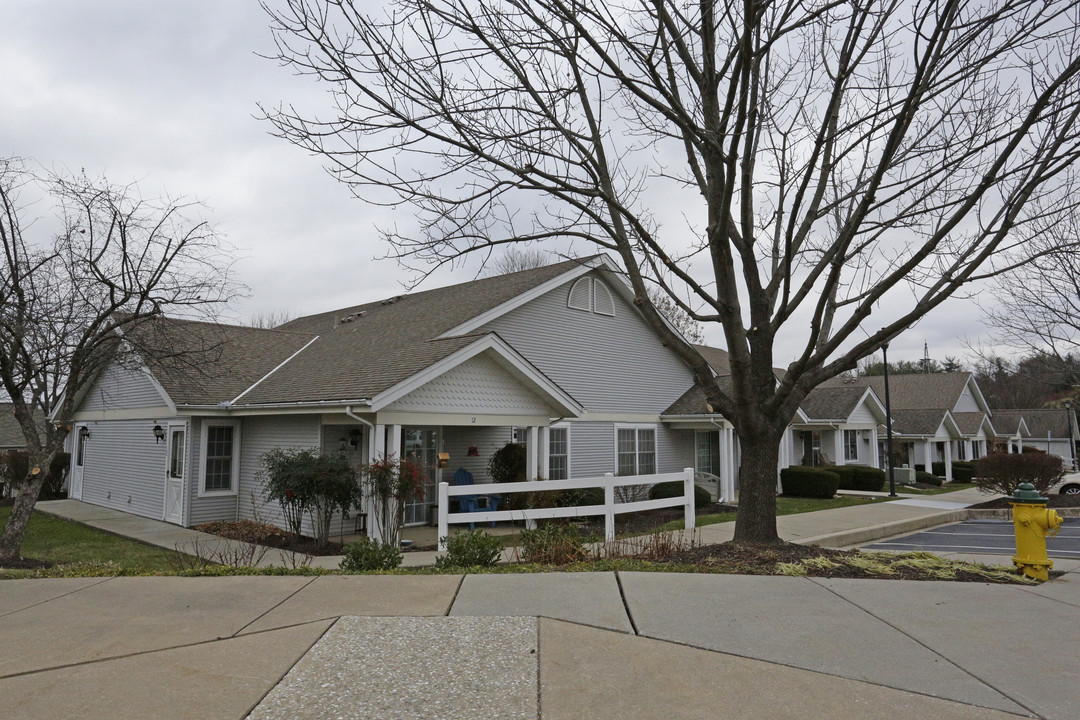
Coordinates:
166 93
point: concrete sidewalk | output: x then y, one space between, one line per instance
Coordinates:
551 646
840 527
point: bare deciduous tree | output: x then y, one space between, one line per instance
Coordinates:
833 160
1036 307
73 303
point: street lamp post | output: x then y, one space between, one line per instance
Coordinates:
888 421
1072 440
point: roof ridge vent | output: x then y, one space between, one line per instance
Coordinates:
352 316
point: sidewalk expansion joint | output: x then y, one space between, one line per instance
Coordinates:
275 606
457 591
154 651
625 604
289 669
44 602
915 640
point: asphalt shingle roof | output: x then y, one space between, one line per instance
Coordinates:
693 401
912 392
970 423
919 422
1007 422
832 403
354 353
1041 421
10 433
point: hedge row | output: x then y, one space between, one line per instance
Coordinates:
859 477
812 482
962 472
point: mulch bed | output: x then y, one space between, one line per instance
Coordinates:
268 535
742 559
1056 501
643 522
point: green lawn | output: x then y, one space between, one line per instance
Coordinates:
59 541
784 506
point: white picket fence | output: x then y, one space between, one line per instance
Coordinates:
609 509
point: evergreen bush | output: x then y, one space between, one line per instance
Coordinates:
859 477
659 491
474 548
921 476
367 555
811 482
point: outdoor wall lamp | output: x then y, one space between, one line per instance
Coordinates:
84 432
473 451
159 434
354 438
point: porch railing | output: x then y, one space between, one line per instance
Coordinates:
609 509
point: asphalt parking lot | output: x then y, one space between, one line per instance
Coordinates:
994 537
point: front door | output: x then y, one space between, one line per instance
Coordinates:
419 446
75 480
174 476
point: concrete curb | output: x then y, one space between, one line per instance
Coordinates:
858 536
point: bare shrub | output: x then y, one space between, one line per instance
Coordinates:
196 555
1002 472
657 545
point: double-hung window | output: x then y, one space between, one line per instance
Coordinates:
220 461
635 451
558 453
851 445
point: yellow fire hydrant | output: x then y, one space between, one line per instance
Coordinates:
1033 522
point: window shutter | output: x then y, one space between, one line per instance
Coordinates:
602 302
581 295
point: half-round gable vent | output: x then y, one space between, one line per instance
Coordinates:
602 302
581 295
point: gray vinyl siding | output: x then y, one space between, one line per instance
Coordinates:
124 468
258 435
966 402
861 414
121 388
592 448
211 507
457 440
608 364
476 386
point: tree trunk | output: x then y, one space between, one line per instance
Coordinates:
756 519
29 489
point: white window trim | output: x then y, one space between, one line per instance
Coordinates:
186 469
235 480
637 426
844 440
569 468
597 288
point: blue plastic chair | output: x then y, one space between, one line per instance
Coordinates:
466 503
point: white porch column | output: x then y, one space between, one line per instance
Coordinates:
928 457
393 441
1019 443
380 440
875 459
727 464
838 447
543 454
376 446
948 466
530 453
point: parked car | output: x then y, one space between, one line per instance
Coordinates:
1069 486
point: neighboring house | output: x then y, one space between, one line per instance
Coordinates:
841 427
1011 429
556 356
11 435
1052 430
937 417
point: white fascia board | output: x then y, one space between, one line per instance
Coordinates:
484 318
1023 430
695 419
800 417
507 357
870 399
951 428
159 387
977 393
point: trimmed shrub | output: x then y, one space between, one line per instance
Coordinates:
1003 472
508 463
552 544
812 482
859 477
366 555
921 476
961 471
474 548
582 497
660 491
